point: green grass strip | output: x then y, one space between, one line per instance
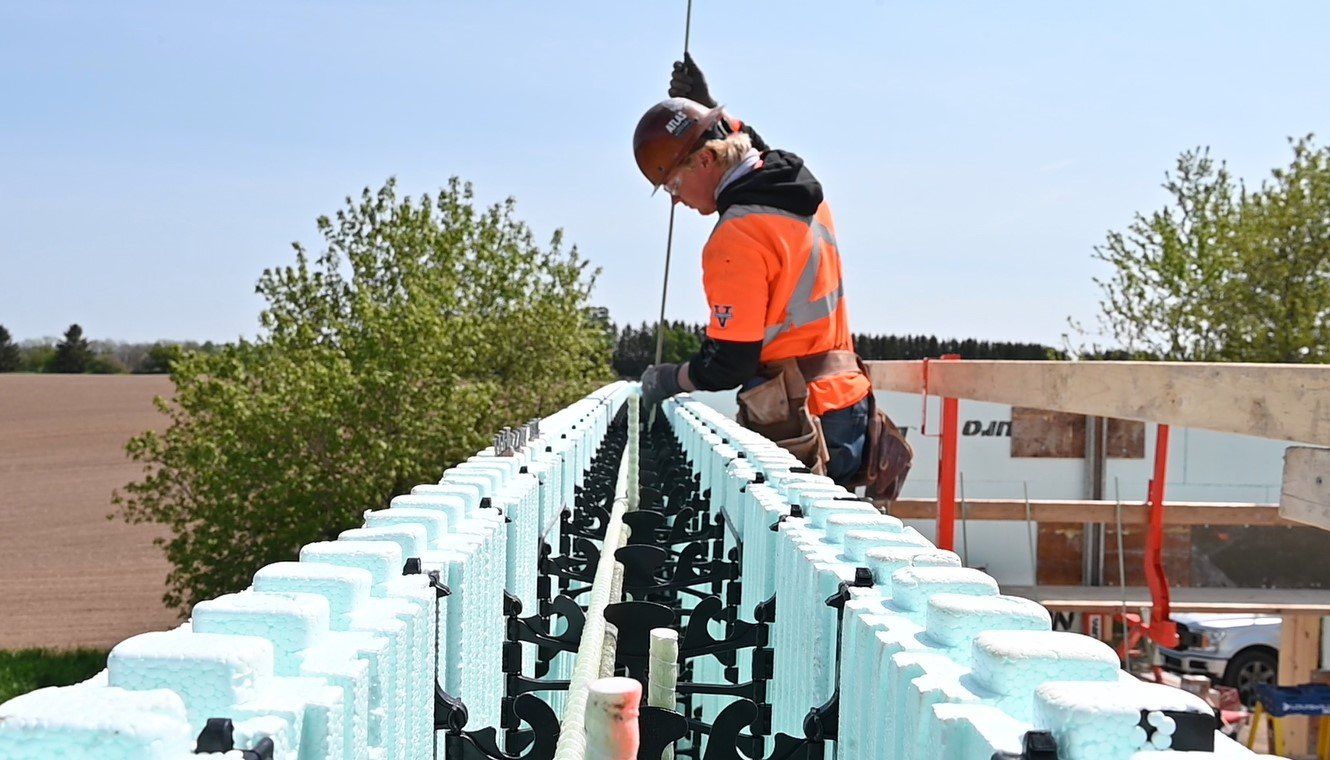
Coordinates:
24 670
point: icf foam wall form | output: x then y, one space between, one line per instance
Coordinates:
334 656
929 661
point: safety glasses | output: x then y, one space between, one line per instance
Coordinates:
672 186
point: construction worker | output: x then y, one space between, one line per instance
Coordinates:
771 270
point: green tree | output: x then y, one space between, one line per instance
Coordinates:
1281 293
37 356
10 358
423 326
157 360
107 364
1223 273
72 353
681 342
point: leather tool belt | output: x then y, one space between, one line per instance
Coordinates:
778 409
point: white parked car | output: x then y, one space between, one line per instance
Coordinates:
1234 650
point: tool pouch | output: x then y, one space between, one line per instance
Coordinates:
887 455
778 410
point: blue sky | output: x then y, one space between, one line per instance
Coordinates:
155 157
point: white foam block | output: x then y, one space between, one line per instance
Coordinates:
912 587
1103 723
382 559
954 620
93 721
292 622
210 672
345 588
435 522
411 539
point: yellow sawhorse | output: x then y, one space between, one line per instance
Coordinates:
1275 733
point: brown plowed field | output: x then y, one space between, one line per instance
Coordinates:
68 576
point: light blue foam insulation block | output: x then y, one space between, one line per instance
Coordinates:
387 721
1104 723
955 620
311 712
345 588
1012 663
458 500
292 623
979 731
211 672
883 561
381 559
75 722
410 539
417 591
358 661
434 522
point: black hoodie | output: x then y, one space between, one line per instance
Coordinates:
785 183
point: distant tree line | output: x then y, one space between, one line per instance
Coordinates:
634 350
635 347
75 354
931 347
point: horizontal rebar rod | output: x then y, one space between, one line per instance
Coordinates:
590 652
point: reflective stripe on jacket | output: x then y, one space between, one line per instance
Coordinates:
774 276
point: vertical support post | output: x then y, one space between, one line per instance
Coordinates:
1163 630
611 719
1299 655
1096 439
947 455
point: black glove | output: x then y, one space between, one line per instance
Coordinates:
659 382
687 82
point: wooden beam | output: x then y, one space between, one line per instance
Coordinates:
1071 511
1305 494
1299 655
1108 599
1288 402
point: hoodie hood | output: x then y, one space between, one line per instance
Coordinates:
783 182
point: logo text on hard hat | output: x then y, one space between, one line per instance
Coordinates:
678 124
722 314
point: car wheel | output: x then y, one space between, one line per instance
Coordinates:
1252 666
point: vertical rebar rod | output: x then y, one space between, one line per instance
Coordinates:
669 236
965 525
1029 536
687 26
665 288
1122 573
572 743
663 673
635 444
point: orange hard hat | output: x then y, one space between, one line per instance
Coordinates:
670 131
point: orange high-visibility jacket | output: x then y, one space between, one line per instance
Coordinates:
773 275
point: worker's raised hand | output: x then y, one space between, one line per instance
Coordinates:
659 382
686 81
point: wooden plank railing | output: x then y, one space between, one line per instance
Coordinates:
1288 402
1082 511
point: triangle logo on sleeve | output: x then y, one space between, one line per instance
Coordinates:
722 314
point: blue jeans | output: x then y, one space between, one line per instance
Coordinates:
845 430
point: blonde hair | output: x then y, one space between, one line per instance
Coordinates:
728 151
